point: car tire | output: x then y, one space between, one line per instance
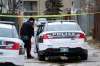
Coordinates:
41 58
7 64
84 56
19 65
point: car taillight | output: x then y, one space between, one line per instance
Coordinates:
16 46
12 45
82 36
45 36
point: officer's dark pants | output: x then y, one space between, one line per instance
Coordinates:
28 47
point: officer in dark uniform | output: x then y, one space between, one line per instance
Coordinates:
26 32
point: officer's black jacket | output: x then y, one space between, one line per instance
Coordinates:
27 29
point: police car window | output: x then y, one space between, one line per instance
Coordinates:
11 33
62 27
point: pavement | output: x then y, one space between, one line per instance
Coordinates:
93 42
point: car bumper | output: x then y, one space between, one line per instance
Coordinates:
16 60
69 52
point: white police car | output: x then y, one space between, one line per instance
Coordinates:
61 39
11 47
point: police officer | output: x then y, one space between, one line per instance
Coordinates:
26 32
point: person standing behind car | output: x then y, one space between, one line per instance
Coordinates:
26 33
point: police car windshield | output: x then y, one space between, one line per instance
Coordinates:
62 27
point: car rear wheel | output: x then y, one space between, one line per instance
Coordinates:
19 65
41 57
7 64
84 56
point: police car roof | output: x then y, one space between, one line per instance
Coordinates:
6 24
62 22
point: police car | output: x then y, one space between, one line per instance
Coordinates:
11 47
61 39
